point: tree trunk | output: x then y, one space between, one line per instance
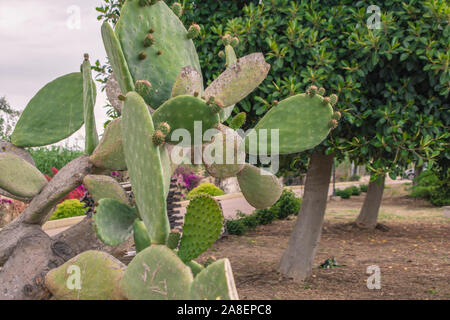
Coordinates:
369 212
298 258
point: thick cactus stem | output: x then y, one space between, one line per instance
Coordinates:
164 127
194 31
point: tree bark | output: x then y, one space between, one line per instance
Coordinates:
298 259
369 212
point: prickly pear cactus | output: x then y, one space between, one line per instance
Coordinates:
92 275
202 227
157 274
141 237
61 103
19 177
102 187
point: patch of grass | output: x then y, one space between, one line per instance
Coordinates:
53 157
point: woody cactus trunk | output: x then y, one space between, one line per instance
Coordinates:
161 94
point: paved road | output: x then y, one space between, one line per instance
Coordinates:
238 203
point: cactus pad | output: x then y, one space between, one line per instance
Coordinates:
99 273
117 59
157 274
181 113
188 82
19 177
6 147
170 52
143 160
239 80
227 155
260 188
216 282
231 60
302 121
203 224
91 137
196 267
141 237
102 187
174 239
109 153
53 114
114 221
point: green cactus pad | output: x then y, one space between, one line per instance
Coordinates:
239 80
231 60
141 237
302 121
216 282
100 276
144 166
238 121
181 112
102 187
170 52
53 114
188 82
196 267
157 274
117 59
109 153
7 147
91 139
260 188
203 224
167 168
19 177
226 144
114 221
174 239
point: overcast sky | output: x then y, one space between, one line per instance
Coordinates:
41 40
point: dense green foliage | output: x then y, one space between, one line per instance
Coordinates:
53 157
287 205
8 118
68 209
207 188
363 187
430 187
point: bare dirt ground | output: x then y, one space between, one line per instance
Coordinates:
413 255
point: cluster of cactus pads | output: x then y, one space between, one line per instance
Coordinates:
160 87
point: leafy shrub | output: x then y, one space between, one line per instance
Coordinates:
68 209
236 227
344 194
250 221
430 187
355 177
207 188
363 187
287 204
354 190
54 157
265 216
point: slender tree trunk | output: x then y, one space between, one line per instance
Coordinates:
369 212
298 258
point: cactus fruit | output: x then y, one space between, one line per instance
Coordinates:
102 187
91 136
333 99
187 82
226 40
260 188
174 239
143 160
140 234
158 138
19 177
301 122
114 221
177 8
156 273
238 121
224 157
109 153
234 42
143 87
216 282
195 267
337 116
194 31
321 91
117 59
181 112
203 224
169 38
222 54
100 276
239 80
61 101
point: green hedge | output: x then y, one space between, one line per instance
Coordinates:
207 188
430 187
68 209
